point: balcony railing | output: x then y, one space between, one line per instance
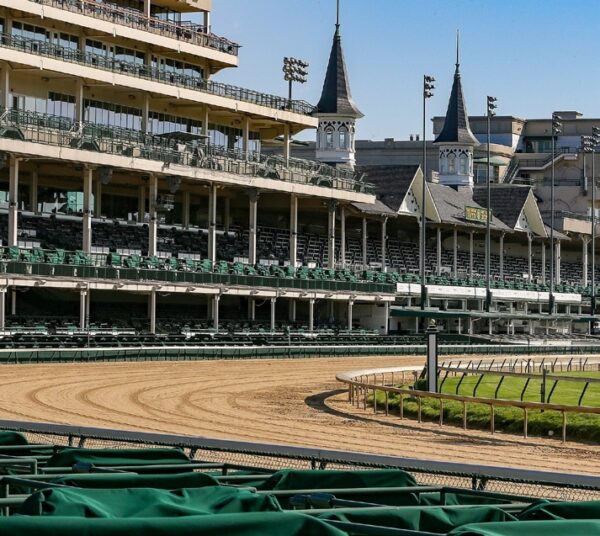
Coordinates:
185 31
106 63
171 150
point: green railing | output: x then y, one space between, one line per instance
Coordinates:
132 18
64 132
114 65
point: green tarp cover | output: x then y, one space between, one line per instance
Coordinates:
307 479
115 480
439 520
145 502
272 524
9 438
531 528
116 457
561 510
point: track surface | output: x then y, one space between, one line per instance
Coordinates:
287 401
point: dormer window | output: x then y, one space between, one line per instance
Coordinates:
343 138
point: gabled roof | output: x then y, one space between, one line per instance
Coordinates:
507 201
456 126
451 203
391 182
336 97
375 209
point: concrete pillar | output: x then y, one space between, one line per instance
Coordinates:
79 115
6 96
501 246
459 325
141 203
246 137
146 109
386 327
292 311
311 314
82 309
273 309
13 301
153 223
350 305
212 223
293 230
152 311
206 121
33 190
543 261
2 308
226 213
439 251
471 254
455 254
253 196
88 174
529 259
364 242
383 244
557 261
584 261
13 200
207 21
286 143
98 199
343 236
147 5
331 206
216 300
251 309
185 209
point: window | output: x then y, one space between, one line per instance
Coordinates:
343 138
61 105
463 163
160 123
329 138
113 115
451 163
28 31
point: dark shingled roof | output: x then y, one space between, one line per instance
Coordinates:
456 126
391 182
507 201
336 97
378 208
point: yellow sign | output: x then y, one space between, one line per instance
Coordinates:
477 214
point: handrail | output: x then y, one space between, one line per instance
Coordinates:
147 72
508 373
184 31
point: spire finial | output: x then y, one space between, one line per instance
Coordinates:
457 49
337 19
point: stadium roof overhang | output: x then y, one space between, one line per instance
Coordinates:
405 312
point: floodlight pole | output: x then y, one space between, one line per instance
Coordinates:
593 285
427 93
491 106
555 129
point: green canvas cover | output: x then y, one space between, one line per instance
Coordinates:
116 457
254 524
561 510
440 520
115 480
561 527
291 479
145 502
10 438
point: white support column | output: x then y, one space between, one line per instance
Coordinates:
79 115
147 6
439 251
212 223
82 309
206 120
251 309
364 242
146 111
386 327
311 314
216 300
383 244
253 196
153 223
557 261
2 308
142 203
584 261
343 236
33 190
350 306
292 311
13 200
6 96
455 254
543 262
13 301
273 309
459 325
286 143
88 175
501 246
331 206
471 254
152 311
246 137
207 21
529 259
185 209
293 231
98 199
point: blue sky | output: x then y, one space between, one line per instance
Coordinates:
535 56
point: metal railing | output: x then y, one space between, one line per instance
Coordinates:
184 31
147 72
64 132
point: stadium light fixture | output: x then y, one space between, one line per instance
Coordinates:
556 130
491 112
595 142
294 70
428 87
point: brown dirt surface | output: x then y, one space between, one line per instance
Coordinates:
296 402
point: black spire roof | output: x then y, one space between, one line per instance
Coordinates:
456 126
336 97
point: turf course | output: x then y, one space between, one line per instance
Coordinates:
548 423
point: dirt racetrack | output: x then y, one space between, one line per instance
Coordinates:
287 401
